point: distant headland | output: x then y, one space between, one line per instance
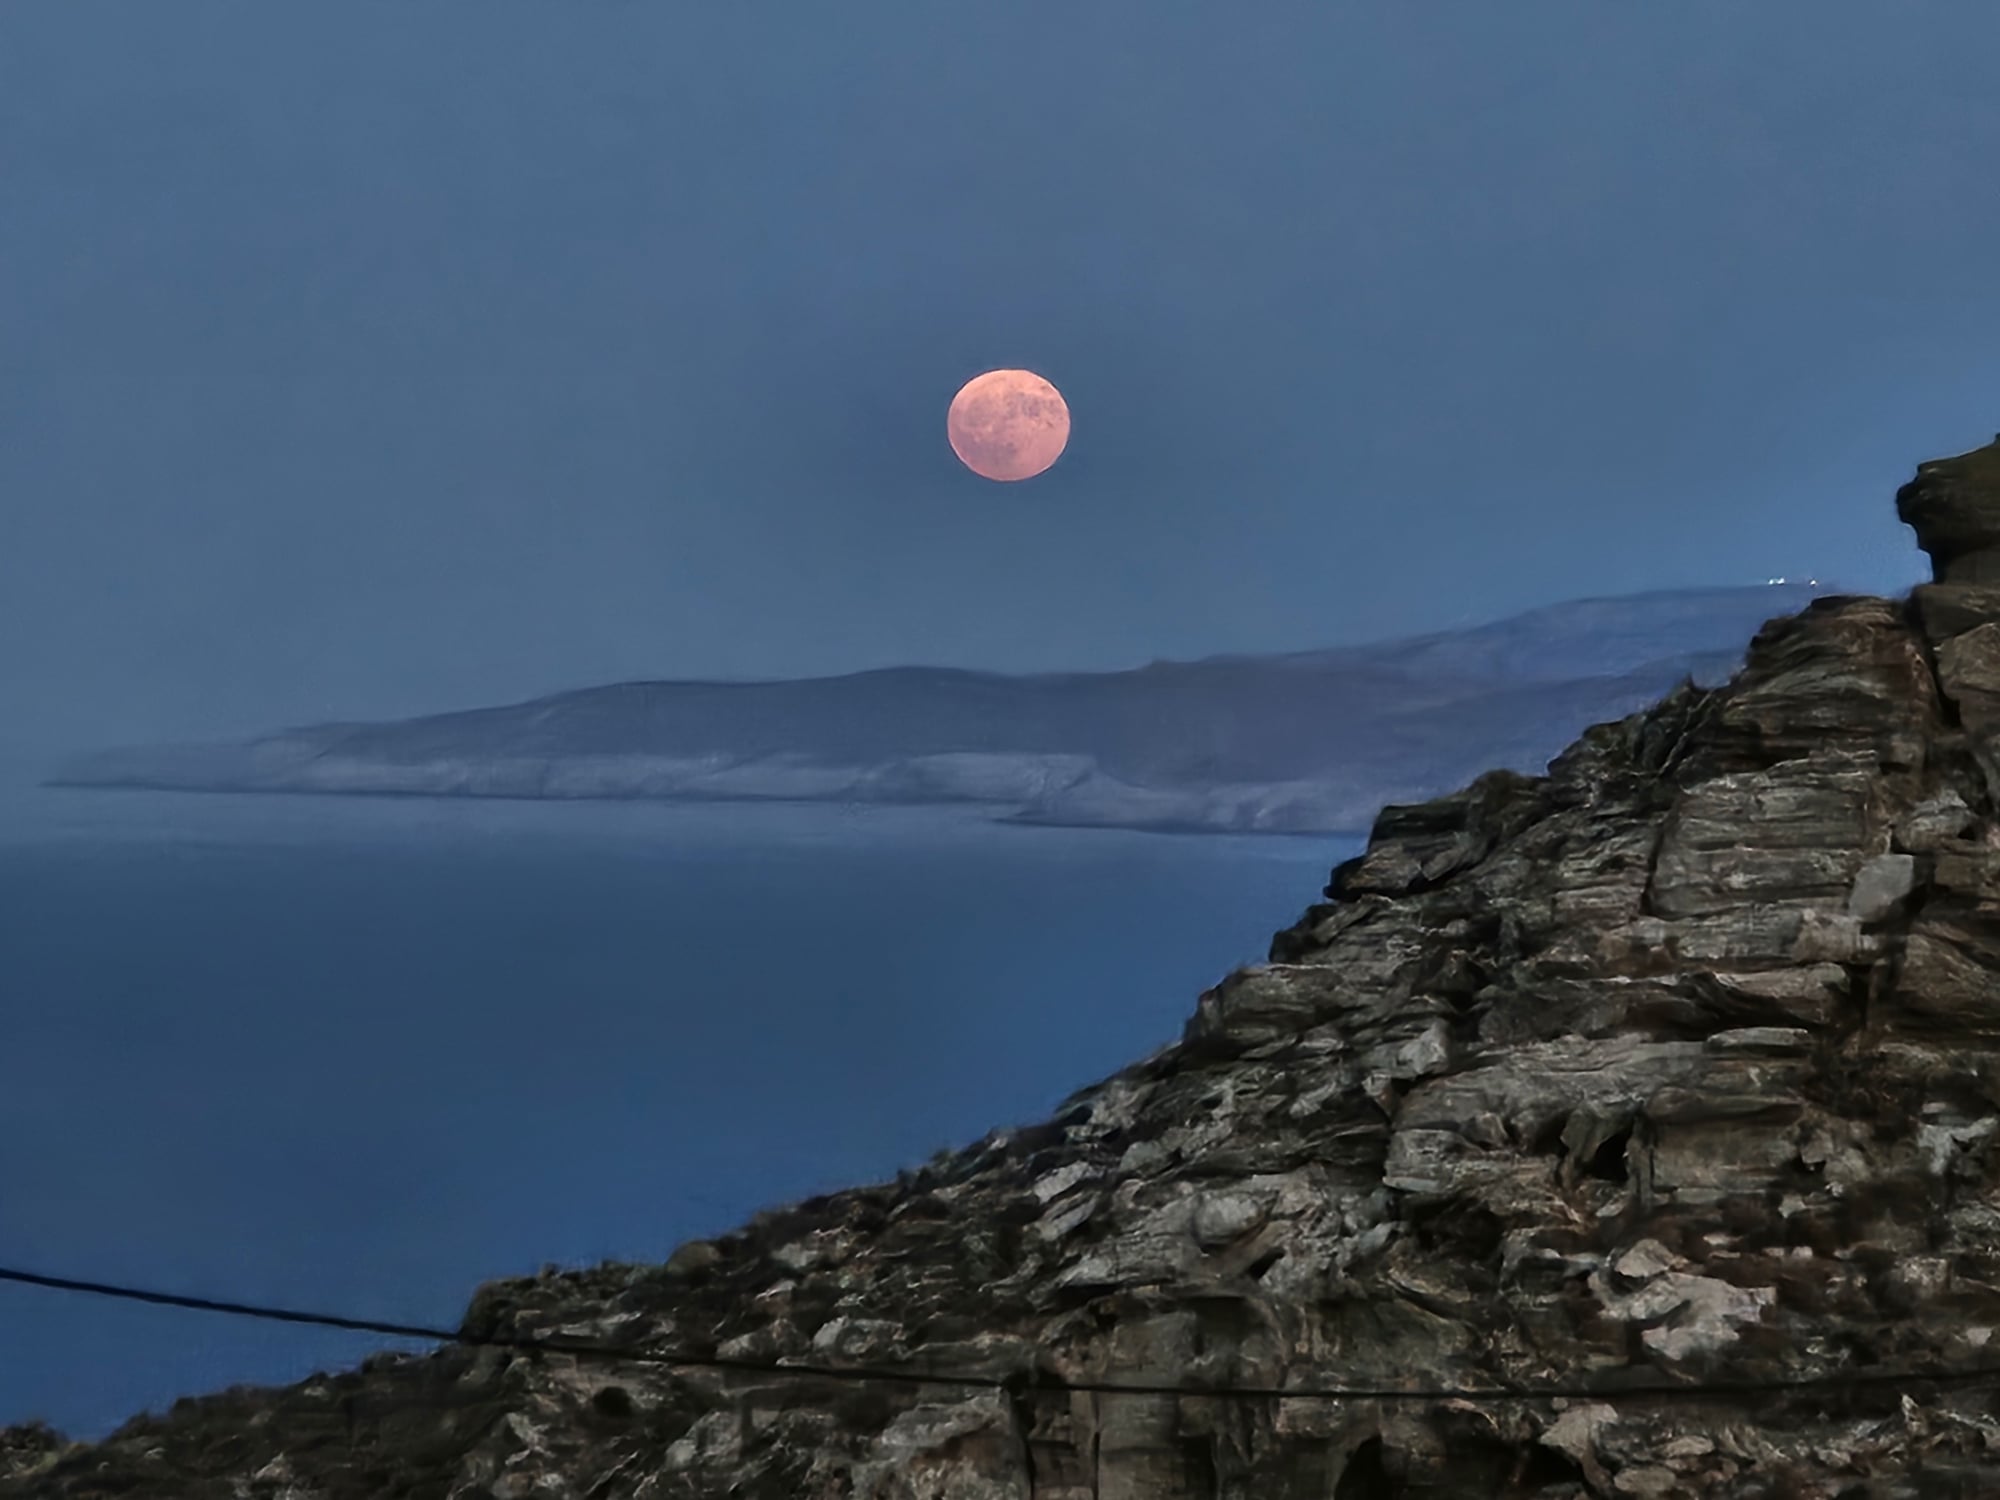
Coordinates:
1305 742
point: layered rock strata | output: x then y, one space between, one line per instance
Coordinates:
1671 1076
1950 506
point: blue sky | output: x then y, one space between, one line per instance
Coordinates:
374 358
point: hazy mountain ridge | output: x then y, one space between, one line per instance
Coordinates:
1303 742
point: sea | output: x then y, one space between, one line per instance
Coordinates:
357 1055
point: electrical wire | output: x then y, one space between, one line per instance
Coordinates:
1025 1380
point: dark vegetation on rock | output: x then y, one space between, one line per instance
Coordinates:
1677 1064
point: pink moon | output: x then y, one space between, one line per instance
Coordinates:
1008 424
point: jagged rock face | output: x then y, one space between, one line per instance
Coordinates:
1680 1063
1954 505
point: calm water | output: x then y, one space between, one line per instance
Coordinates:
361 1054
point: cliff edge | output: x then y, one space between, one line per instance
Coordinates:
1670 1078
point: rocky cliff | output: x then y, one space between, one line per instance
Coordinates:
1664 1087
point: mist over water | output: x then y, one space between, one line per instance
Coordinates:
360 1054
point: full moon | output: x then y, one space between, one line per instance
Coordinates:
1008 424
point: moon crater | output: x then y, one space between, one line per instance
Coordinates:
1008 424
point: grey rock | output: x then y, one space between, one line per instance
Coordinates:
1954 507
692 1258
1950 609
1881 885
1934 823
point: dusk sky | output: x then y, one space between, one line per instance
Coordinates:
367 359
